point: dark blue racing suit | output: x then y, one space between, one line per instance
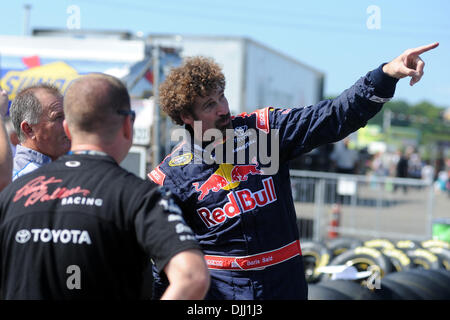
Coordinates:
244 218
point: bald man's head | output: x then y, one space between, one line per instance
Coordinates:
91 104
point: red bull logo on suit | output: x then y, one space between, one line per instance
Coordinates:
239 202
226 177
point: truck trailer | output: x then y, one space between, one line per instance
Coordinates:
256 76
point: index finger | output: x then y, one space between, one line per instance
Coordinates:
422 49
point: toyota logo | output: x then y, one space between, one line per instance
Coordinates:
72 164
23 236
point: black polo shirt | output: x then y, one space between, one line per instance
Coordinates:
84 228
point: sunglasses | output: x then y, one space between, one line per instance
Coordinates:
130 113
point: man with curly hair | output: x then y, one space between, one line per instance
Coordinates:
242 215
201 82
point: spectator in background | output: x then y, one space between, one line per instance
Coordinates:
377 165
442 183
414 163
427 172
439 163
402 168
37 114
364 161
5 149
344 159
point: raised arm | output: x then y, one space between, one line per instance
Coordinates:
303 129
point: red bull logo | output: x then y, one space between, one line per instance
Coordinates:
240 173
226 177
214 183
239 202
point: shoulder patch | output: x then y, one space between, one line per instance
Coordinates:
157 176
262 120
181 160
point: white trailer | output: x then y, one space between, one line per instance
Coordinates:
257 76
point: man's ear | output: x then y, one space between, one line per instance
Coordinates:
128 128
66 129
27 129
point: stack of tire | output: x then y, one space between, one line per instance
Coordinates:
405 270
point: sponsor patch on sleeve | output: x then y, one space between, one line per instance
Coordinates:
157 176
181 160
262 120
377 99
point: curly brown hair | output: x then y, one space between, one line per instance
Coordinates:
197 76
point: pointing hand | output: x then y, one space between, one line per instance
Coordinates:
409 64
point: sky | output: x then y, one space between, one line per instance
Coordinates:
343 39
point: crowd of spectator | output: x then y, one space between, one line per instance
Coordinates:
405 162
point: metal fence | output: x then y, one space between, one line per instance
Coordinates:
362 206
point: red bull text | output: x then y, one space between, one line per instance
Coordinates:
239 202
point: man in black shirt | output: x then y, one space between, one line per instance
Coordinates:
84 228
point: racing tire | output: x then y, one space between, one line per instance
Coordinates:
379 244
425 259
351 289
435 243
421 285
398 291
405 245
362 257
386 293
441 274
399 259
340 245
437 278
315 255
443 254
317 292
